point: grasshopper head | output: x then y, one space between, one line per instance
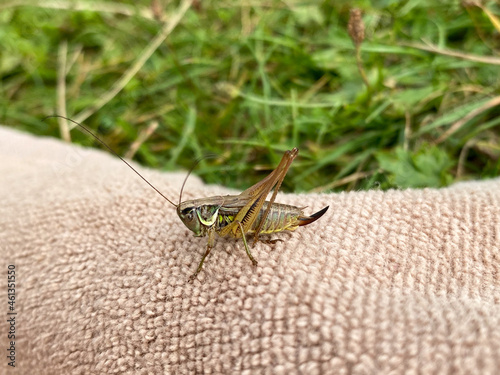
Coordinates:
187 214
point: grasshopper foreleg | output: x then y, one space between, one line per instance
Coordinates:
210 245
193 276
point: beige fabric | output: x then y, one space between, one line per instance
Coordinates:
386 282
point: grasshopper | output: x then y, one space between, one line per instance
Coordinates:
246 213
237 215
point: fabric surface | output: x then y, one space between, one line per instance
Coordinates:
385 282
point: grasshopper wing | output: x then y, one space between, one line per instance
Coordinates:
254 197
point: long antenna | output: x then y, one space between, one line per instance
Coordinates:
192 169
114 153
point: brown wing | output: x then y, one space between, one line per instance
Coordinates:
255 196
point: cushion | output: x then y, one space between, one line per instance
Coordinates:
400 281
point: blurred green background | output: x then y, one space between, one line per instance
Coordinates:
405 94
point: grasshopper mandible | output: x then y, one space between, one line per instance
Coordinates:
236 215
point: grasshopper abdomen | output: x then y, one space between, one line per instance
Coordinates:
281 217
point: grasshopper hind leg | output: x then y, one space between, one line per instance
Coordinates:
254 262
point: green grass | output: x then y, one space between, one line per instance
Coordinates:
248 80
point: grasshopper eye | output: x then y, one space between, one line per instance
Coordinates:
187 213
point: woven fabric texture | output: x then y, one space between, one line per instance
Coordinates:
385 282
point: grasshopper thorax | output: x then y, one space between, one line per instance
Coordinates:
198 216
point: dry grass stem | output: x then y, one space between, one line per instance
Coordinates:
104 7
448 52
457 125
143 57
61 90
143 136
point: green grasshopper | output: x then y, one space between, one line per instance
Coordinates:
237 215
